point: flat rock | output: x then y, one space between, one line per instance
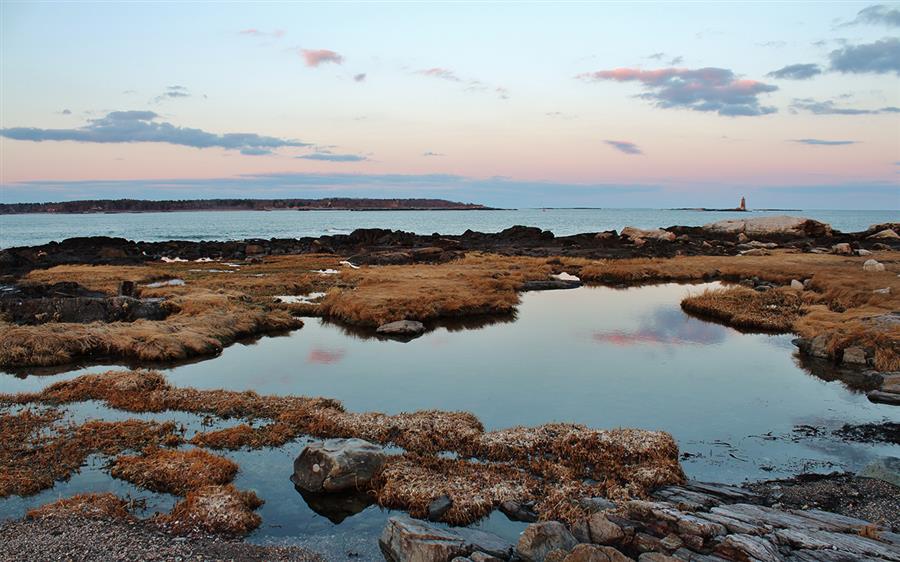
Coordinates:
408 540
336 465
401 328
595 553
762 226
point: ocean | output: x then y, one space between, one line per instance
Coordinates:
29 230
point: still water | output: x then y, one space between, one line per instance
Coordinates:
598 356
28 230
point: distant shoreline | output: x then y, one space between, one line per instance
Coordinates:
121 206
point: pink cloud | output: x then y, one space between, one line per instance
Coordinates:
315 57
442 73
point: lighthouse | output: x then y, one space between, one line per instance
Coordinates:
743 206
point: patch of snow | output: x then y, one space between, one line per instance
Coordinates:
326 271
166 283
566 277
299 299
204 260
172 260
350 265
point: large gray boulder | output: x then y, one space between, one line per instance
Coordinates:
335 465
771 226
538 539
405 539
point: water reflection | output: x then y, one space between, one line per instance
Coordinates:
336 506
325 356
665 326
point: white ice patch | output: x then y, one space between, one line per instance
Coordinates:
232 264
299 299
204 260
166 283
326 271
565 277
350 265
172 260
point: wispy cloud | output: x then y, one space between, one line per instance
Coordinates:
828 107
879 14
361 77
469 85
172 92
821 142
317 57
253 32
430 153
327 156
143 126
705 89
796 72
671 62
560 115
624 146
880 57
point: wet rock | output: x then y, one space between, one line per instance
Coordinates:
401 328
336 465
882 397
886 469
854 356
438 507
486 543
842 249
873 265
408 540
816 347
604 531
519 511
539 539
551 284
594 553
768 226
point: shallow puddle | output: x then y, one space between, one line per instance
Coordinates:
602 357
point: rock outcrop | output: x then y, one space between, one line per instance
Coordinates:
337 465
771 226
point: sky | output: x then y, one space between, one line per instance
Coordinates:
509 104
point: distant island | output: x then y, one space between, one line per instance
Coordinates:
742 208
146 206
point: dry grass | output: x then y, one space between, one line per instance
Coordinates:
773 311
475 284
213 509
91 506
174 471
38 450
622 463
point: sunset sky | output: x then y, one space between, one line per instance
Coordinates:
539 104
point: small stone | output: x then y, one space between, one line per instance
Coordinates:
862 252
797 285
842 249
855 356
438 507
884 291
873 265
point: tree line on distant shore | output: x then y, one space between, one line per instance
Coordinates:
141 205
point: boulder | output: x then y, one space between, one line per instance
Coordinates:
771 226
594 553
873 265
652 234
254 249
886 234
518 511
336 465
604 531
408 540
405 539
843 249
538 539
401 328
797 285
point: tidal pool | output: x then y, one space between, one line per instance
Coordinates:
598 356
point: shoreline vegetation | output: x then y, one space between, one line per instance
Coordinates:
152 206
618 489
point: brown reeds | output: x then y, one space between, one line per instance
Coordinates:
771 311
91 506
174 471
213 509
